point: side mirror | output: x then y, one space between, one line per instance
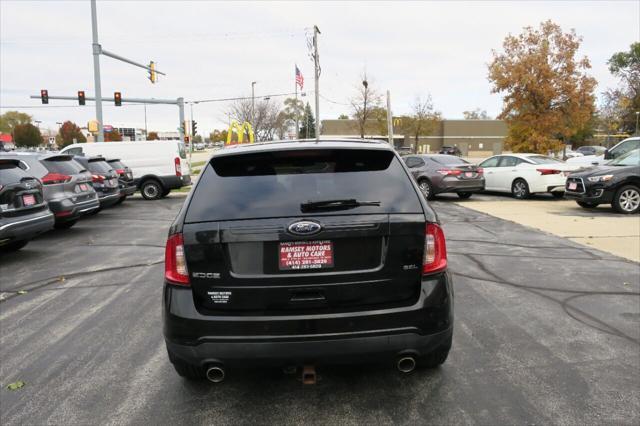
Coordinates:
607 155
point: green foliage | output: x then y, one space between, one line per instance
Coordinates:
27 135
15 385
621 104
68 132
343 117
218 136
308 124
10 119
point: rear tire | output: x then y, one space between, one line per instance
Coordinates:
437 357
558 194
587 205
14 246
65 225
464 195
627 200
151 189
426 188
520 189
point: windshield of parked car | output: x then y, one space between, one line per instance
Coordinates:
276 183
100 167
629 159
541 159
449 160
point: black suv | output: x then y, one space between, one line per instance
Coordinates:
617 182
23 210
103 178
125 178
302 253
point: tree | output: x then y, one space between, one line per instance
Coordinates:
218 136
624 101
423 120
27 135
152 136
10 119
293 113
308 125
343 117
265 116
69 133
364 102
112 136
476 114
548 95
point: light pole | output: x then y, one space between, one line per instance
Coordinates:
637 115
37 123
253 104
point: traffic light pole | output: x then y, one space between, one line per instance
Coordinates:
96 69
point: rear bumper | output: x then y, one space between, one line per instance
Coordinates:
460 185
25 227
107 200
320 338
66 209
125 191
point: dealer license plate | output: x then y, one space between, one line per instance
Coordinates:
468 174
28 200
84 187
573 186
306 255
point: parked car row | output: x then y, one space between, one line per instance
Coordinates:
40 191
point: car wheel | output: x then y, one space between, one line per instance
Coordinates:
437 357
151 190
520 189
627 199
14 246
587 205
464 195
65 225
558 194
426 188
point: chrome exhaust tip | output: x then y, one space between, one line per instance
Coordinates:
406 364
215 374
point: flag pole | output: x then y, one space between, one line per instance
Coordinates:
295 109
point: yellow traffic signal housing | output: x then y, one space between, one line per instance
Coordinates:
153 77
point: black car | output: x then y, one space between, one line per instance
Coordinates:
125 178
23 210
450 150
66 185
437 174
300 253
104 179
617 182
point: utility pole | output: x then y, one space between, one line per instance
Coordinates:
295 110
637 115
389 119
96 69
253 104
145 121
316 61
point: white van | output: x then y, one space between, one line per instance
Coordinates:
157 166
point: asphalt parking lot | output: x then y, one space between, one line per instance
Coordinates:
547 331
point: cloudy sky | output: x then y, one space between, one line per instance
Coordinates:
213 50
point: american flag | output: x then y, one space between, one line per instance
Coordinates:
299 78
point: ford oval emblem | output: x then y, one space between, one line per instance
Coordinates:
304 227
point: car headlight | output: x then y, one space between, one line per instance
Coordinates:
603 178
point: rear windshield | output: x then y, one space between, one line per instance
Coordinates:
275 184
10 173
116 165
541 159
448 159
99 167
62 166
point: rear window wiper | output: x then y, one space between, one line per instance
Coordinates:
335 204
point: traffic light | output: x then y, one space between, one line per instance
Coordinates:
153 77
117 98
194 127
44 96
81 99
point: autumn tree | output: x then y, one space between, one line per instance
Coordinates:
218 136
476 114
10 119
622 103
364 103
547 93
152 136
27 135
112 136
69 133
423 120
308 125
